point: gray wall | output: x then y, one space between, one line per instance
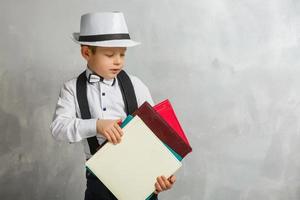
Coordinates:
230 68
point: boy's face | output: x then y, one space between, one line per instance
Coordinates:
105 61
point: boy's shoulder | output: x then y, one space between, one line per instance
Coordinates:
71 81
141 90
70 85
134 78
136 81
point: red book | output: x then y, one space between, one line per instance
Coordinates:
167 112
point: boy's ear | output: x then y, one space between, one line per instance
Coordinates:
86 52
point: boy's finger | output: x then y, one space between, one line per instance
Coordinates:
119 129
161 183
164 178
112 136
107 136
166 182
158 188
116 134
172 179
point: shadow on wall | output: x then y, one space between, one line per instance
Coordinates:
10 132
11 187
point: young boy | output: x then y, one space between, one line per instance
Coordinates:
91 105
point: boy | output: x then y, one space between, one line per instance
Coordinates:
90 106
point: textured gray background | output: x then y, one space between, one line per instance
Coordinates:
230 68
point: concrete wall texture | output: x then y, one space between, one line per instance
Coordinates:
230 69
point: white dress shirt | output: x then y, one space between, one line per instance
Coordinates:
105 102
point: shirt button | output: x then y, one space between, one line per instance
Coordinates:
103 94
104 109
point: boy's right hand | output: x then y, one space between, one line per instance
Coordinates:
110 129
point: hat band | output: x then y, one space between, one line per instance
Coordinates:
96 38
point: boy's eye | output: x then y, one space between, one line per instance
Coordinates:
109 55
122 55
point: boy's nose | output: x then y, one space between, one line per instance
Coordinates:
117 60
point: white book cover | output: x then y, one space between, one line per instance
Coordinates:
130 168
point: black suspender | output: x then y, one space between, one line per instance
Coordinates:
128 94
84 107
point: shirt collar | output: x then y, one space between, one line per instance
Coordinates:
109 82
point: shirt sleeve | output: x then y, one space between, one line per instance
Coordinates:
141 91
65 125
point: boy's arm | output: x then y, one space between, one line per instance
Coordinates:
65 125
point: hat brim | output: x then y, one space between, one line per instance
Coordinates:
106 43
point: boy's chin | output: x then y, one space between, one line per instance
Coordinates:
111 76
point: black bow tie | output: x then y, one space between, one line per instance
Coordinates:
94 78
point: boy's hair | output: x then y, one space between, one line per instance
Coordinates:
92 48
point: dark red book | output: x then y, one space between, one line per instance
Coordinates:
162 129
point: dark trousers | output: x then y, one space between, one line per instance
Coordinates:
96 190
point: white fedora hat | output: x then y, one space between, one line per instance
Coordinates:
106 29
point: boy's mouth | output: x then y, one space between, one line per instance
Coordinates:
115 70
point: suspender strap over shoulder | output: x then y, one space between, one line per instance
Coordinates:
84 108
128 93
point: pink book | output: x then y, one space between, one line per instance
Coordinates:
167 112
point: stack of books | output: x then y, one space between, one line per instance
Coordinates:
153 144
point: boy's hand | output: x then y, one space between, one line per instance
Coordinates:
110 129
163 183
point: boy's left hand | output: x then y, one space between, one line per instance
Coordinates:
162 183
